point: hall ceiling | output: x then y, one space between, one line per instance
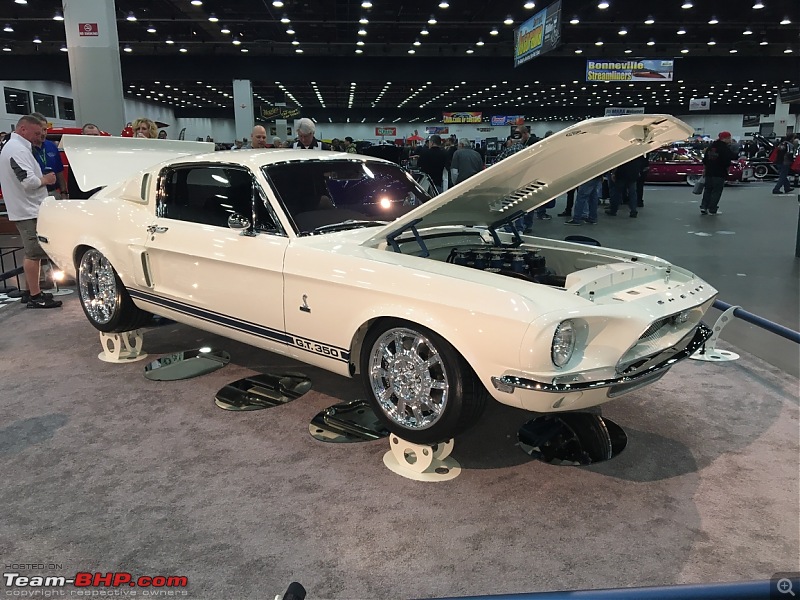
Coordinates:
428 65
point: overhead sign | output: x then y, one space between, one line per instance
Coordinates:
615 111
700 104
500 121
462 117
539 34
390 131
789 94
279 112
751 121
630 70
438 130
88 30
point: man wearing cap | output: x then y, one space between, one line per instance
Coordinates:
717 159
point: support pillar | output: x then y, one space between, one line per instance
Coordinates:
781 117
94 65
243 108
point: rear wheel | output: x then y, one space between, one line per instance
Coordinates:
420 387
693 178
104 299
760 171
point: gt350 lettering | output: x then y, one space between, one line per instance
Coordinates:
316 348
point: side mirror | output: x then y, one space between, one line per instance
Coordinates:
240 223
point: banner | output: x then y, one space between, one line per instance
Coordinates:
630 70
751 121
615 111
539 34
498 121
438 130
462 117
390 131
700 104
279 112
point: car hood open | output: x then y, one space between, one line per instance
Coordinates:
98 161
543 171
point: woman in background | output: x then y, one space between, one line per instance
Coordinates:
145 128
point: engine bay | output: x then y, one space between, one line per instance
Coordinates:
523 263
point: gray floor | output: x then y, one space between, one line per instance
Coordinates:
104 470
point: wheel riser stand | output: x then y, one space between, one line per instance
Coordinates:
709 352
122 347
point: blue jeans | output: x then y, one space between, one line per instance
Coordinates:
623 188
712 193
586 200
783 180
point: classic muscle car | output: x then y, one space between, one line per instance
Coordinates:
681 165
342 261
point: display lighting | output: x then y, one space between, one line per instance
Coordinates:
788 51
412 51
244 50
763 43
603 4
58 16
628 50
508 20
213 18
732 51
470 51
360 43
359 51
649 20
8 28
37 40
713 21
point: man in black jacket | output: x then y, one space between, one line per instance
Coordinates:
717 160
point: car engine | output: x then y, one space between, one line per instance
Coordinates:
520 263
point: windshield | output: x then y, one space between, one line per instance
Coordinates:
318 194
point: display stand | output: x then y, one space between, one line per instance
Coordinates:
122 347
347 422
709 351
421 462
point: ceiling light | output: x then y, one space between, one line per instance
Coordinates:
127 49
684 51
285 20
294 43
480 42
131 17
236 41
299 50
362 31
213 18
363 20
411 51
37 39
603 4
424 31
687 4
183 50
578 51
682 31
432 20
359 51
58 16
444 4
494 31
651 42
197 2
64 49
417 43
733 51
763 43
599 42
21 1
529 5
622 31
151 29
786 21
277 3
649 20
787 51
8 28
758 4
508 20
169 41
6 49
711 42
290 31
366 4
747 31
470 51
225 30
628 50
244 50
713 21
360 43
574 20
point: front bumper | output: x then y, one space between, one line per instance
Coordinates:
637 375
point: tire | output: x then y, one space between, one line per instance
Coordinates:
760 171
104 299
693 178
419 386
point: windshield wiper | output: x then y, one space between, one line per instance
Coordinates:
349 224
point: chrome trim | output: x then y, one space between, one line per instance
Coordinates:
662 361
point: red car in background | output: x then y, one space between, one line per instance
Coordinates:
682 165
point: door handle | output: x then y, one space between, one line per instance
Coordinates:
156 229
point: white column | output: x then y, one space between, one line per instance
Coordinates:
243 108
95 72
781 117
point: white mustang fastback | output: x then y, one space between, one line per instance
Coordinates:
345 262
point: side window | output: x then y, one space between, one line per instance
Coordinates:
206 194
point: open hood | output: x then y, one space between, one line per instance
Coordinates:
540 172
99 161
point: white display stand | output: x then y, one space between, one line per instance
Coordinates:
709 351
421 462
122 347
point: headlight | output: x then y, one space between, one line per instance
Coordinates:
563 343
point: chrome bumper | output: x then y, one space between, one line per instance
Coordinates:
642 373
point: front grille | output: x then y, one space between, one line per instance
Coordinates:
650 333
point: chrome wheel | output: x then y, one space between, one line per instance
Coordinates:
98 287
408 378
692 179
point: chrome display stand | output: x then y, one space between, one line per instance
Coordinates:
122 347
421 462
709 351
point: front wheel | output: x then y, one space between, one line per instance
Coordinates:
104 299
760 171
420 387
693 178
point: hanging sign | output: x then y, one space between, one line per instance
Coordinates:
461 117
629 70
390 131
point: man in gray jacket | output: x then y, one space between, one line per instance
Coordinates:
466 162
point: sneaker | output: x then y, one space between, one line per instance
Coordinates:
565 214
26 296
703 211
573 222
544 217
719 212
589 221
43 300
633 215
